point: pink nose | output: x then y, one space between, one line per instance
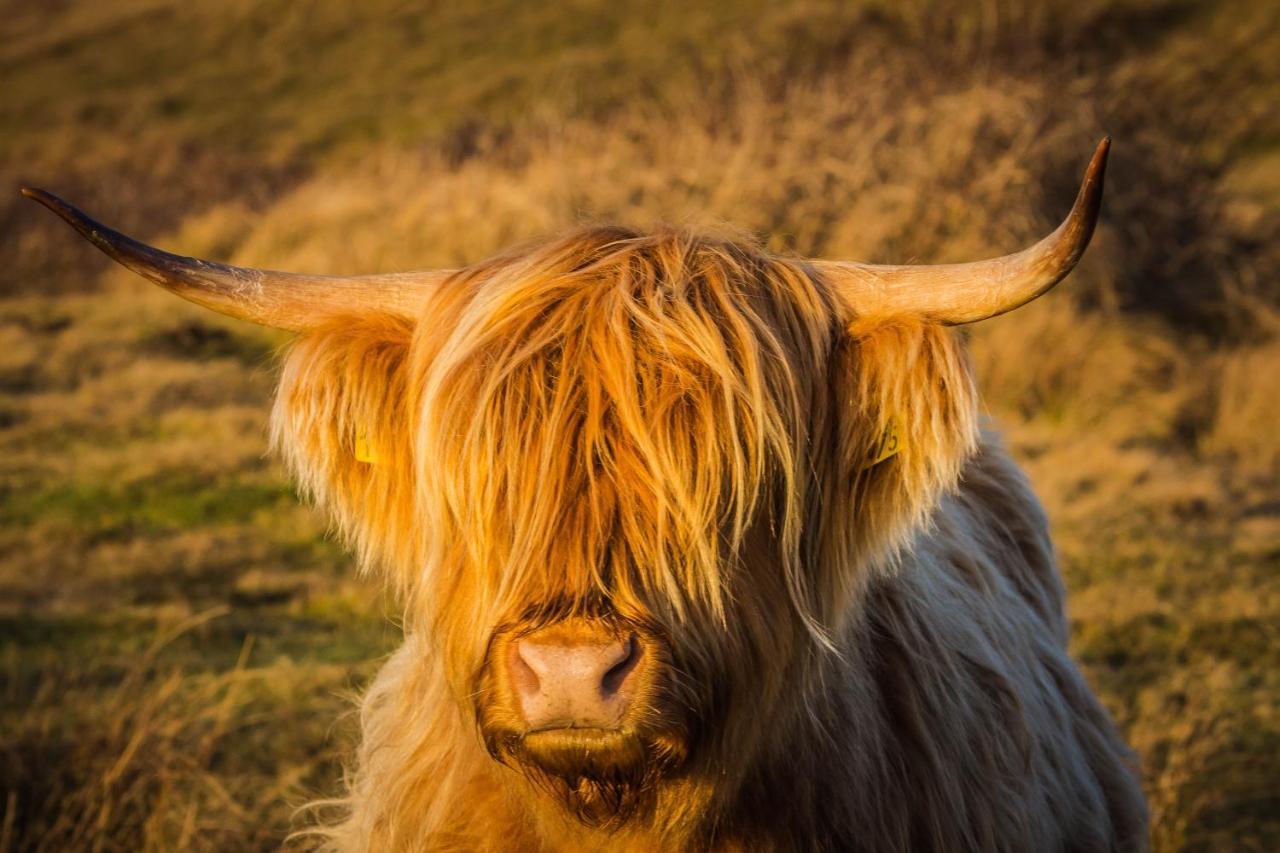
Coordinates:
567 678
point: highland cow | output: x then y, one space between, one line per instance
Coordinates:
698 548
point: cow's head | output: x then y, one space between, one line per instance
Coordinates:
627 484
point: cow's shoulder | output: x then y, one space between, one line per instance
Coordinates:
993 533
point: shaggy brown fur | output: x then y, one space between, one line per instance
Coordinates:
672 432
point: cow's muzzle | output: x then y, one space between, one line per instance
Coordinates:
582 699
576 675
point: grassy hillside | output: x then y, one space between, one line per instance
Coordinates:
178 636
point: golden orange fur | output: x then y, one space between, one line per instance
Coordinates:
674 430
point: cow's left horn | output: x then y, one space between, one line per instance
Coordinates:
279 299
953 294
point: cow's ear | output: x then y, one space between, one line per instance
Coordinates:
341 421
908 421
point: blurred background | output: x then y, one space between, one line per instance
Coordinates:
179 640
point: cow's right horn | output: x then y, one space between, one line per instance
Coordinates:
279 299
953 294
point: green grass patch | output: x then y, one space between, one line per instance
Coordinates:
167 503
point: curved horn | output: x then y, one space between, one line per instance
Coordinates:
279 299
953 294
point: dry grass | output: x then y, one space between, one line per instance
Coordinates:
178 636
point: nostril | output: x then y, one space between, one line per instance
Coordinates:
617 674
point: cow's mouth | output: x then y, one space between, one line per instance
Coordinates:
581 707
584 752
602 776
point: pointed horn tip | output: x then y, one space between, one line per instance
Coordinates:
43 196
36 194
1088 204
51 201
95 232
1098 163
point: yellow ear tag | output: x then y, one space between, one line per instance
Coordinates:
890 443
364 449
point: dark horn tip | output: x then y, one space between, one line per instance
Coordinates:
52 202
1098 163
1089 199
36 194
94 231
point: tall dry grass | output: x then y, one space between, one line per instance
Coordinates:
134 495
